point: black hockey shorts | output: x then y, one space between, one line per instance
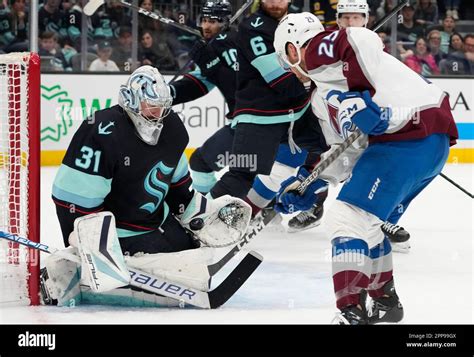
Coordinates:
171 238
206 157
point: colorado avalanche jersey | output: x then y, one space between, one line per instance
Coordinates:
327 113
108 167
353 60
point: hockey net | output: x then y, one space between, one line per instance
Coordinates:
19 176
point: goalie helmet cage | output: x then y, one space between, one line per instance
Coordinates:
19 176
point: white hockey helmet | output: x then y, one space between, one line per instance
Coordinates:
296 29
146 85
353 7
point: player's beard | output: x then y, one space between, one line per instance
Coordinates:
275 12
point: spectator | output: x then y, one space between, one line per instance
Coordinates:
156 53
48 44
119 15
71 23
122 54
385 7
325 10
449 26
434 43
103 63
408 30
426 13
19 20
66 52
6 34
102 23
456 62
50 16
145 22
422 62
469 48
452 7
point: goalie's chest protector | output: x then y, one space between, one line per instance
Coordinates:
142 173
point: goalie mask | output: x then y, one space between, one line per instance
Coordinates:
147 100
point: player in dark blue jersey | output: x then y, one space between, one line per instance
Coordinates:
215 59
271 104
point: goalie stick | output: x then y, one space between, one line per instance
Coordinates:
214 268
92 6
150 283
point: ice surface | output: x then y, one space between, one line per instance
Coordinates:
435 280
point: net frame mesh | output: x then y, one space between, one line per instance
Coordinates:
18 159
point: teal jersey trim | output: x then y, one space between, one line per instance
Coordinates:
197 73
79 188
269 67
166 211
181 170
203 181
263 120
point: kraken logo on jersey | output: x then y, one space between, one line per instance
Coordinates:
155 187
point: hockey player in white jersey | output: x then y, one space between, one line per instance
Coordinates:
409 127
350 13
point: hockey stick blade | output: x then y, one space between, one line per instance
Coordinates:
214 268
92 6
157 285
235 280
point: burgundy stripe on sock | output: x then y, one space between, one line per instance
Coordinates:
377 282
347 286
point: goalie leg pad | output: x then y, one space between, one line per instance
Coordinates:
103 265
61 281
188 267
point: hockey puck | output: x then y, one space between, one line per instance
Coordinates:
196 224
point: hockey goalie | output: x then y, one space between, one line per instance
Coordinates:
123 199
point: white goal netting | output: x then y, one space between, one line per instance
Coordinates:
15 152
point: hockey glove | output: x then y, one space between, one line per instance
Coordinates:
289 201
358 108
204 56
217 223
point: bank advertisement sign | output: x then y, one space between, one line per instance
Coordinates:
68 99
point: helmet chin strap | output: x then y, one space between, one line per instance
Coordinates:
297 64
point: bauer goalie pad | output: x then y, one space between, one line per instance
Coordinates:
103 264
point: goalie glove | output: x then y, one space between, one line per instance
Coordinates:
217 223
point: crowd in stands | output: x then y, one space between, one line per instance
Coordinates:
428 39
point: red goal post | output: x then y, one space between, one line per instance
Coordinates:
19 176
